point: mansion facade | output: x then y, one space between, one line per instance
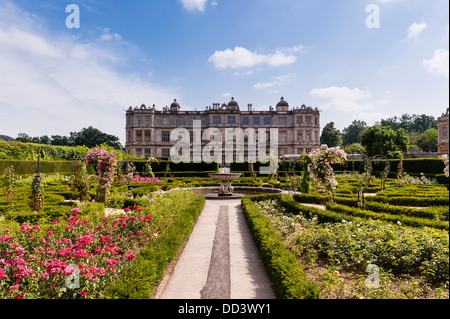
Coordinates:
148 129
443 132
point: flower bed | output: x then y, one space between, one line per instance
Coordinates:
80 257
139 180
36 263
412 262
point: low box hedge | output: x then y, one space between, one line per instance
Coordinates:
161 166
22 167
423 201
416 165
405 220
287 274
141 276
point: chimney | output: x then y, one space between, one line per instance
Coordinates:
250 106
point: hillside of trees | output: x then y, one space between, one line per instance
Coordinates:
5 138
89 137
396 134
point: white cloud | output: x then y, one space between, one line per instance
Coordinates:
24 42
279 81
415 29
107 35
241 57
370 117
244 73
389 1
439 64
343 98
194 5
57 84
265 85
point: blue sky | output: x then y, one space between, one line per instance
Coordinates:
54 80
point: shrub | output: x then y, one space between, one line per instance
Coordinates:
282 266
424 201
404 220
23 167
140 278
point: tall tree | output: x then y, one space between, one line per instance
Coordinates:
423 122
410 123
92 137
60 140
331 136
352 133
384 141
428 141
24 138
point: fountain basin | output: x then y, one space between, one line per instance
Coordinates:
212 193
225 179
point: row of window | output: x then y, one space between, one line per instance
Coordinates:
444 133
138 121
282 137
165 152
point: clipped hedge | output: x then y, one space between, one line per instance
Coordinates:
161 166
22 167
287 274
184 174
424 201
31 151
416 165
323 216
141 277
405 220
442 179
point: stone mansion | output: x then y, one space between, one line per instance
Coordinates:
148 130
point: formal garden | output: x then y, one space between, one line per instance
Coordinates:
102 226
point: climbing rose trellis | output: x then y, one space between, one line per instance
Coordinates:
105 164
320 169
445 159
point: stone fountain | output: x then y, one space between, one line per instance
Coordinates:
225 178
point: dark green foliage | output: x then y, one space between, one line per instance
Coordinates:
404 220
411 166
282 266
47 167
331 136
142 275
417 201
384 141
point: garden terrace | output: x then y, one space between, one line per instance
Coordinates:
334 244
148 232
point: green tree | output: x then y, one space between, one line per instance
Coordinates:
92 137
5 138
384 141
331 136
410 123
24 138
60 140
352 133
355 148
428 141
423 122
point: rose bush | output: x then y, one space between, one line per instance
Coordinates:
320 169
139 179
105 164
38 264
